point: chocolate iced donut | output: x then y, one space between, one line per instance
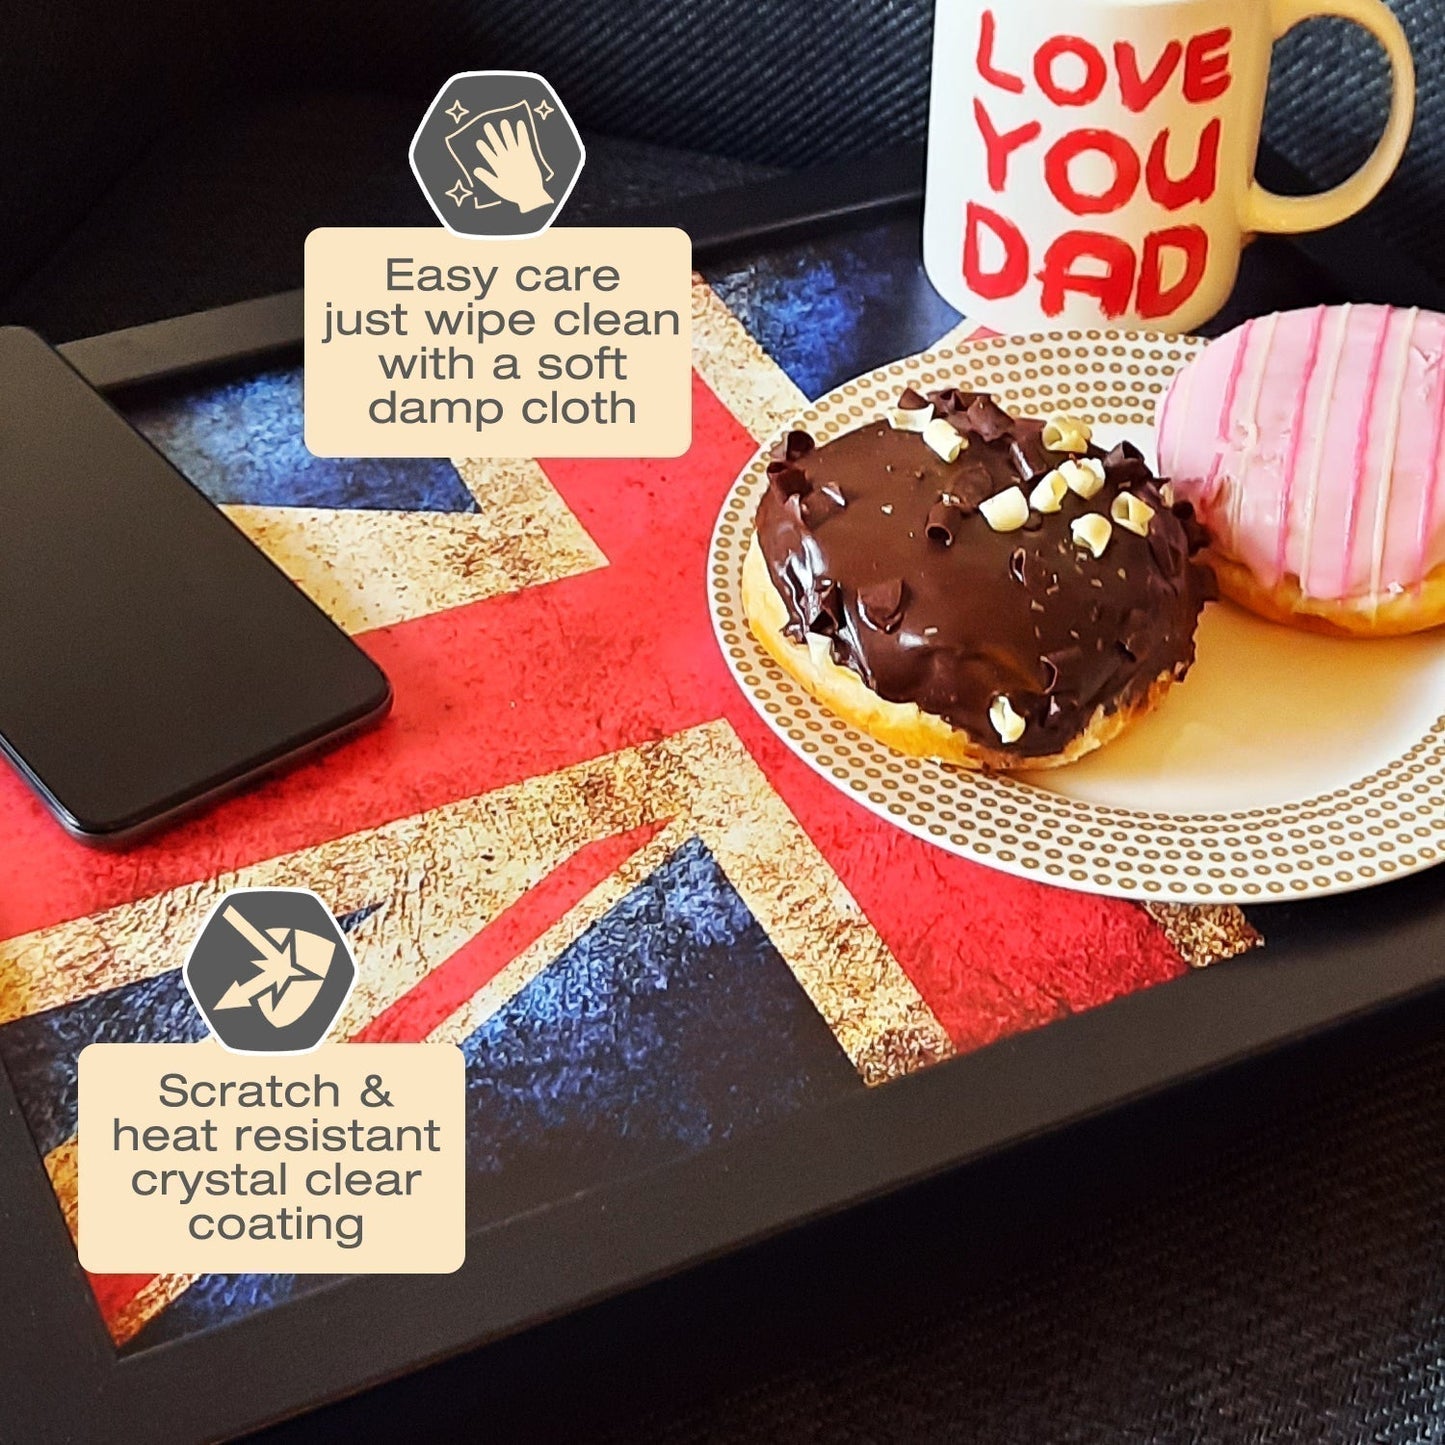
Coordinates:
964 585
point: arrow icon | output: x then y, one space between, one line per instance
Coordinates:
277 961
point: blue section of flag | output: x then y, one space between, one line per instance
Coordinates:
240 442
213 1299
40 1051
670 1025
826 311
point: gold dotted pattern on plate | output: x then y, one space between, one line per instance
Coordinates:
1389 823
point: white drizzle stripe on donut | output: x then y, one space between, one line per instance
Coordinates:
1432 484
1364 435
1296 438
1312 499
1251 417
1226 411
1385 483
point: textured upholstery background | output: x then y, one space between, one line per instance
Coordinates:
1258 1257
91 94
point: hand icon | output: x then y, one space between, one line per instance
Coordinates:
509 165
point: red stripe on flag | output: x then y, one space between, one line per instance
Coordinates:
436 997
446 988
527 683
522 685
114 1293
513 687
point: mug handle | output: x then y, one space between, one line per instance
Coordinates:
1266 211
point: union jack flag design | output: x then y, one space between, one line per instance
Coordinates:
573 849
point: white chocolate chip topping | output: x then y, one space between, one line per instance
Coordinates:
1132 513
1049 492
1093 531
943 439
1006 722
1005 511
1066 434
911 418
1084 478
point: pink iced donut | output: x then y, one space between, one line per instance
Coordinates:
1310 445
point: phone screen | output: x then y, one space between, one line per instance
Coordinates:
150 655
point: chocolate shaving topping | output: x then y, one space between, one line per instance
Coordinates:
950 401
971 485
1134 636
786 480
949 614
1030 457
1166 545
1023 467
820 504
828 613
1064 661
1126 468
793 447
988 419
910 400
882 603
944 521
1194 533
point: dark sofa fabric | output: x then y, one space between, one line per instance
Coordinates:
169 155
1253 1259
253 181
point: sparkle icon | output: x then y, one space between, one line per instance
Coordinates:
459 193
457 112
543 111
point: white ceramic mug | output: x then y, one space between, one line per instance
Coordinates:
1092 163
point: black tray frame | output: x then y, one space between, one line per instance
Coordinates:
1326 962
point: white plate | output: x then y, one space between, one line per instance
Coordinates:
1287 766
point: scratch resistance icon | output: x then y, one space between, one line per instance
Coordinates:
270 970
293 966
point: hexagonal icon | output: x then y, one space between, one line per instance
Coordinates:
497 154
270 970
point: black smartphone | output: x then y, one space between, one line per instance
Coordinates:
151 658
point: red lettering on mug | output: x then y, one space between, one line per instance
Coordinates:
1010 277
1114 148
1095 72
999 146
1111 289
1206 66
1155 299
1198 185
1135 90
987 34
1094 171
